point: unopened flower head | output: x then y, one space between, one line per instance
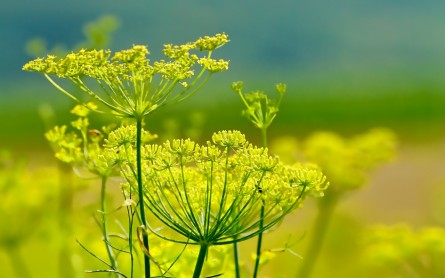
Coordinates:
259 108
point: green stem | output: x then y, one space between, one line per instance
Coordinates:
264 137
140 191
258 247
326 208
130 243
104 227
260 235
200 261
235 252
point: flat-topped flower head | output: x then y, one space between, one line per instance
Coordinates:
209 153
347 161
213 65
212 43
180 147
258 158
126 136
230 139
135 55
309 175
130 84
213 194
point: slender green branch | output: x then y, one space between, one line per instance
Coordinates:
261 224
264 137
140 191
200 261
60 88
131 213
106 271
236 256
104 227
78 82
259 243
92 254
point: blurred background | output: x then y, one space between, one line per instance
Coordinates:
349 66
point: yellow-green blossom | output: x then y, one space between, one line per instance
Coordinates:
128 82
346 162
126 136
213 193
406 250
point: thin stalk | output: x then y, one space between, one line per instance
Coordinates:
261 224
140 192
200 261
60 88
130 239
236 255
264 137
259 243
104 227
326 208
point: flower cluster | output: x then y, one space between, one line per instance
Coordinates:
88 148
126 80
401 248
213 193
346 162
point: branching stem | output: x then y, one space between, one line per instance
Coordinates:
261 224
200 261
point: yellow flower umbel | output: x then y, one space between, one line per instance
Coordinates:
409 253
127 82
212 194
133 87
347 164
